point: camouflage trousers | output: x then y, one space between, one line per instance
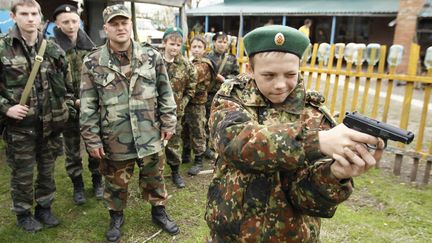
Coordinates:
194 133
207 115
151 182
174 146
72 144
25 150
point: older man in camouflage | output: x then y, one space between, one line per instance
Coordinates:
127 114
182 76
274 178
32 127
76 43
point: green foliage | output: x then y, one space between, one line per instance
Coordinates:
381 209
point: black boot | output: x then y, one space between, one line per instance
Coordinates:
161 218
197 167
175 176
78 194
97 186
113 234
209 154
27 222
45 216
186 155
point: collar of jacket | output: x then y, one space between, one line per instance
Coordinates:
83 41
294 103
137 54
15 35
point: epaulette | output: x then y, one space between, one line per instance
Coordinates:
146 44
317 100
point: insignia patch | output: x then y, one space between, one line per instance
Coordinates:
279 39
67 9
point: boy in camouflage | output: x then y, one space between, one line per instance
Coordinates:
194 134
76 43
226 67
284 163
182 76
32 129
127 114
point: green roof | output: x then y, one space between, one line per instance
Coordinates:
300 8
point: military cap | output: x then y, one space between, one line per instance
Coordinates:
276 38
115 10
219 33
172 30
64 8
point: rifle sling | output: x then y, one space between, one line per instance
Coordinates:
34 71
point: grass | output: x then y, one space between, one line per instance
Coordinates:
382 209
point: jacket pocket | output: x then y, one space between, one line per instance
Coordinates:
15 71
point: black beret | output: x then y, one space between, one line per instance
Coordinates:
65 8
276 38
219 33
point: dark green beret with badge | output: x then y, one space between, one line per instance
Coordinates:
172 30
276 38
115 10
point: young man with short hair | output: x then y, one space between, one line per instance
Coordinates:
32 128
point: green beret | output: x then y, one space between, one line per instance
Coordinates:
276 38
172 30
115 10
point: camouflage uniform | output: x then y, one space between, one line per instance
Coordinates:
29 142
195 114
124 108
71 135
182 76
271 183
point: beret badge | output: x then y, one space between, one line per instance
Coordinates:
279 39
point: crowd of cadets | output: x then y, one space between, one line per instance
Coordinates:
194 82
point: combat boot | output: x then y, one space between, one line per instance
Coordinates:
209 154
97 186
78 193
186 155
162 219
176 178
197 167
113 234
45 216
27 222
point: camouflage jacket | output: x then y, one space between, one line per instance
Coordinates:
126 116
75 55
205 74
230 69
183 79
271 183
52 87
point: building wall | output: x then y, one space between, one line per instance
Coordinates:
406 26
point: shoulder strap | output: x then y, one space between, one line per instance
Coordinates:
34 71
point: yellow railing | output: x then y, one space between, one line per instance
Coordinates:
405 105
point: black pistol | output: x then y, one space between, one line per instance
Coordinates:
364 124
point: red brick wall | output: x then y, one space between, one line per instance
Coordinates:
406 27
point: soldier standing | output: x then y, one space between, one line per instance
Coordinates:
76 43
272 181
127 114
194 134
32 125
226 67
182 76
